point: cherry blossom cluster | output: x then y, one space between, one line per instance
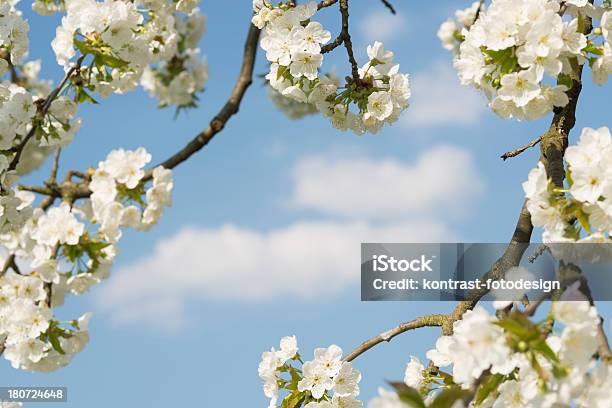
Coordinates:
153 42
33 341
21 99
522 54
582 211
13 34
293 45
324 382
67 249
176 81
15 208
514 362
19 114
117 191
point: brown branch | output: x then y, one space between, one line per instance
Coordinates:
434 320
348 44
55 166
344 38
15 78
478 11
519 150
602 340
388 5
72 191
511 257
9 264
533 306
554 142
326 3
334 44
229 109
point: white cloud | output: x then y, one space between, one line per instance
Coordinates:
441 179
304 260
369 200
383 25
438 98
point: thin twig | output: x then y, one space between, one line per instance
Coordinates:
326 3
334 44
8 264
434 320
53 175
537 253
389 6
519 150
478 11
348 44
533 306
344 38
15 78
75 173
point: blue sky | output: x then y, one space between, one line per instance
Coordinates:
192 304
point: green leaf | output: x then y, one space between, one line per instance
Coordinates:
293 400
490 384
448 397
84 48
408 395
54 340
568 176
594 49
506 59
518 328
111 61
542 347
447 378
80 96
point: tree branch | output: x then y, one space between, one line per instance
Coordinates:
326 3
9 264
433 320
519 150
230 108
348 44
478 11
511 257
344 38
388 5
552 147
55 166
15 78
73 191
